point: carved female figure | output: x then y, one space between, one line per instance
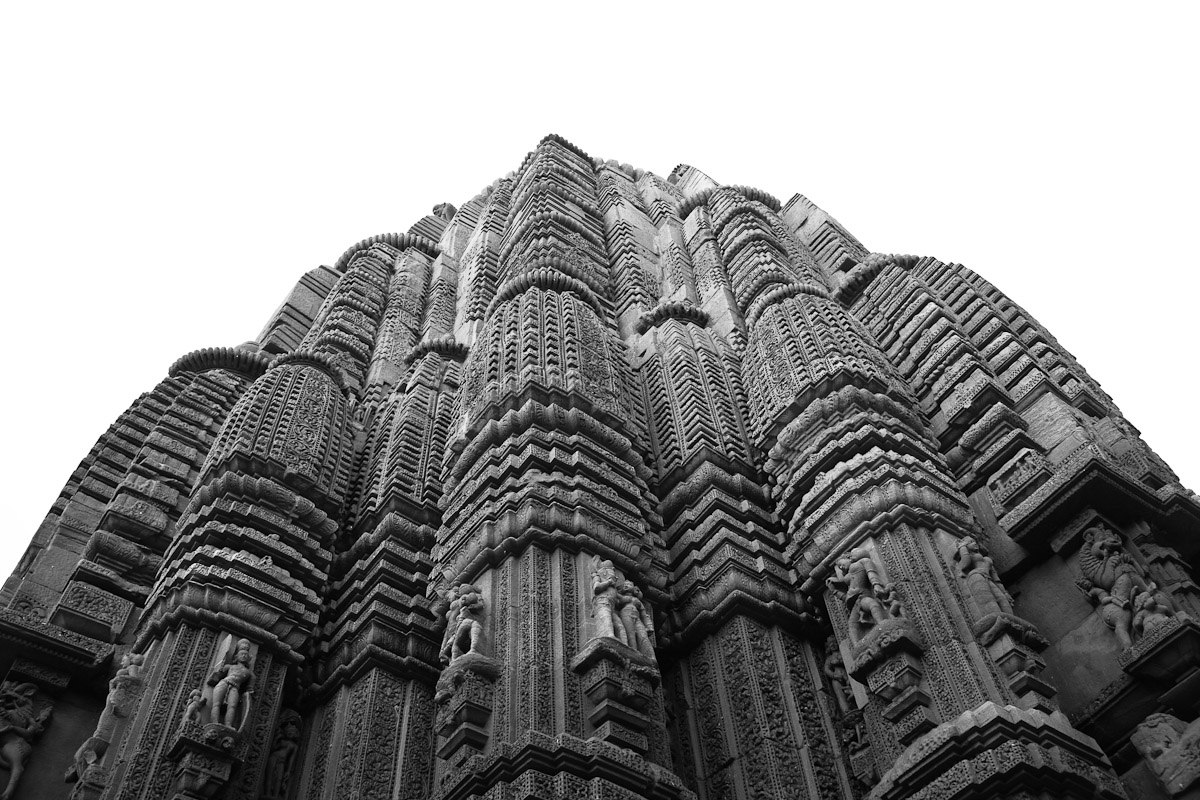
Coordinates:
982 582
451 623
835 670
636 620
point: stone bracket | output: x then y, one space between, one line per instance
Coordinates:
1165 652
464 697
620 682
205 757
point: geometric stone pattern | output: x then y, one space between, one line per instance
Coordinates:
611 485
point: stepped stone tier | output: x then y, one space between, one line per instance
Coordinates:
607 485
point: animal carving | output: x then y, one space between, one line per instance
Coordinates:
1114 583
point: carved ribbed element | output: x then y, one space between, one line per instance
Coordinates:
243 362
291 425
602 484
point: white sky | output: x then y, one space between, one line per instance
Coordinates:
170 170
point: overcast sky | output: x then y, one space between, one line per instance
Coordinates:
170 170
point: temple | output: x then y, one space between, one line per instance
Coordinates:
614 486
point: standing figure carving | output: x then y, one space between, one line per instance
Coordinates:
606 600
982 582
464 623
282 761
123 692
636 620
19 726
869 601
195 704
231 686
834 669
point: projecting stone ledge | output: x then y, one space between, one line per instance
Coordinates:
1001 751
40 641
564 767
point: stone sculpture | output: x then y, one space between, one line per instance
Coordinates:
1171 748
834 669
1116 585
123 692
131 667
606 601
464 623
979 576
230 684
282 761
1150 609
869 601
636 621
619 610
195 704
19 726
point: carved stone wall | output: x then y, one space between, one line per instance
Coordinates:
612 485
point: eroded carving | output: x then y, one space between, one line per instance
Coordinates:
464 623
1171 748
281 763
834 669
123 692
20 725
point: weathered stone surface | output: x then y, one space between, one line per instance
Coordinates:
607 485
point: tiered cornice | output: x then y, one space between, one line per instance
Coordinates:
605 484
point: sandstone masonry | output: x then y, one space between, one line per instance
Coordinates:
606 485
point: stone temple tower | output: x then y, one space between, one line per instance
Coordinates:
613 486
